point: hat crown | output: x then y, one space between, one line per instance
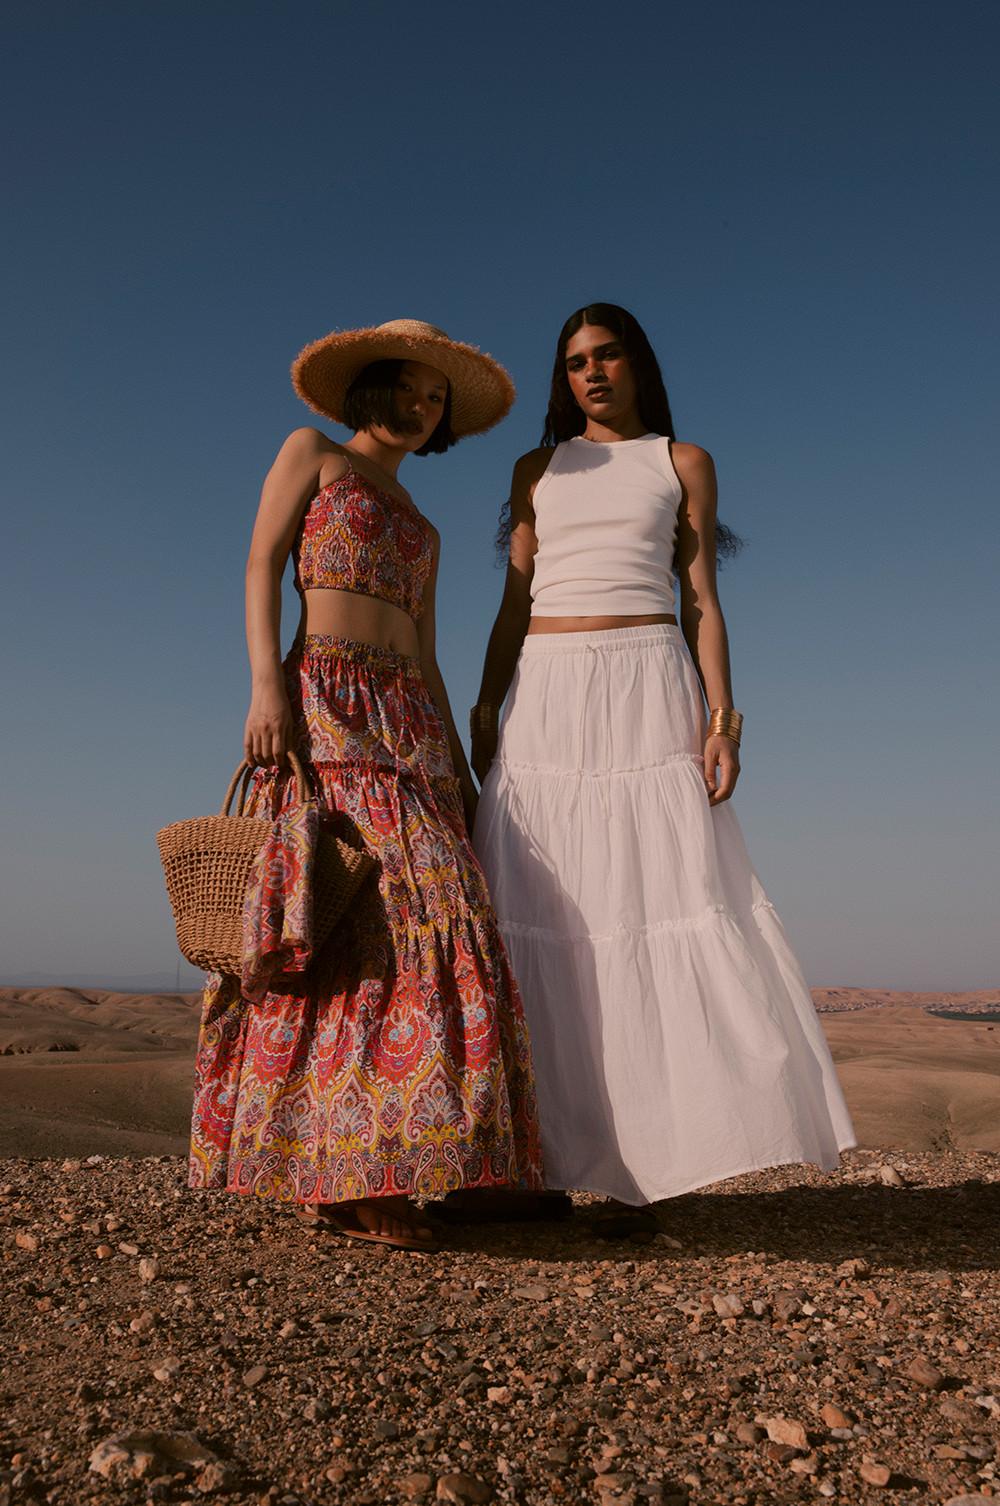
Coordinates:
416 328
481 390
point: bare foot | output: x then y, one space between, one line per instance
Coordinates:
392 1217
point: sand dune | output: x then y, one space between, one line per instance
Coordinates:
73 1019
89 1072
135 1105
916 1080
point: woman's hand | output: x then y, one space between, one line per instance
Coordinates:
722 768
484 750
269 731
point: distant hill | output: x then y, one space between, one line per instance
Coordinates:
95 1022
96 1071
836 1000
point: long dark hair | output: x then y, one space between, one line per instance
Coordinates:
565 418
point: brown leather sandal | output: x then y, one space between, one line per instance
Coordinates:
336 1218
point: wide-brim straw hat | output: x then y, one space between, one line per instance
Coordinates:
481 390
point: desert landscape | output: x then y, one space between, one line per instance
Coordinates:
87 1072
785 1337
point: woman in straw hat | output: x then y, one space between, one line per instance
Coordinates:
675 1042
398 1064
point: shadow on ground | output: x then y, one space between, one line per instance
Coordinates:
950 1228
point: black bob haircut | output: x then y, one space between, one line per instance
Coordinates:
371 399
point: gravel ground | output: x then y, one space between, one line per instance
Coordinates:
788 1337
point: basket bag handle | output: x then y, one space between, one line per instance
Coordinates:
246 770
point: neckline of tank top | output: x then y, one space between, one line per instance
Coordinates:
352 470
613 444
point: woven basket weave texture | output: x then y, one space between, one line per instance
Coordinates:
207 862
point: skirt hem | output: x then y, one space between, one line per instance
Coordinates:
826 1166
527 1183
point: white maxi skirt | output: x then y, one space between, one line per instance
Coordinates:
674 1039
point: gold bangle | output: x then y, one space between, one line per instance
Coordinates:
725 722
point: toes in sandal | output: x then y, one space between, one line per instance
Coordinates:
334 1218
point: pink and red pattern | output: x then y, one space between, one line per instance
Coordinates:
278 911
400 1062
356 537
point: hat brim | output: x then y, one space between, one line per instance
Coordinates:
482 392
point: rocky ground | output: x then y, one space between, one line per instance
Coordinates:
788 1337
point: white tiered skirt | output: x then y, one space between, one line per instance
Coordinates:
674 1039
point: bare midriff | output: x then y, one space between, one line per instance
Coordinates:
366 619
595 624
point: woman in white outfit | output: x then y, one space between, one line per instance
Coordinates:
674 1039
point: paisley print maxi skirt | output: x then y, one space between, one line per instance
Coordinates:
399 1061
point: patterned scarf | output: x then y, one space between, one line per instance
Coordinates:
277 911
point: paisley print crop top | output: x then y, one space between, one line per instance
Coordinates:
356 537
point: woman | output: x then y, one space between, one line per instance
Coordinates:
673 1038
398 1063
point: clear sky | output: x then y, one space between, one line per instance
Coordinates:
799 203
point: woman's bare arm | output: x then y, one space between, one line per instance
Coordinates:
515 606
702 622
291 481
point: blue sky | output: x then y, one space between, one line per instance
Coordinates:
799 204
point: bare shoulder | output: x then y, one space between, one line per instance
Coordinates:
528 471
531 466
693 465
308 444
303 455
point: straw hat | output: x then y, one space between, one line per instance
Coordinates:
481 390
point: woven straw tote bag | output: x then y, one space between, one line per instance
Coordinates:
207 863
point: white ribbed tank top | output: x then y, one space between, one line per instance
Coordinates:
606 524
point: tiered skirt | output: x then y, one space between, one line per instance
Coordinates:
674 1039
399 1062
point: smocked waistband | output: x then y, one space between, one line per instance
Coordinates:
354 651
607 640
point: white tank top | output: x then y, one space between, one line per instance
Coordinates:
606 524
